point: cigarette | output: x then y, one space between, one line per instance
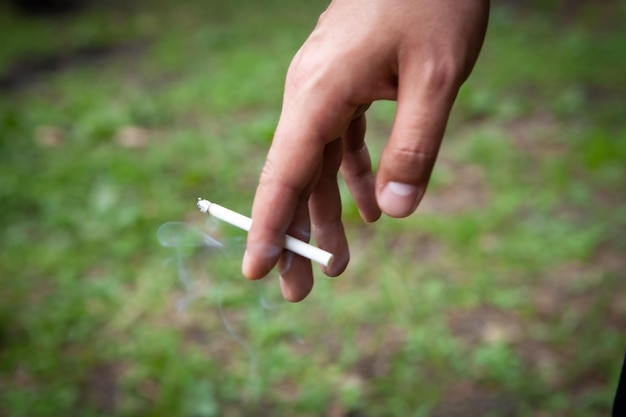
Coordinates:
291 243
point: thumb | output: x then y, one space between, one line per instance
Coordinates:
425 98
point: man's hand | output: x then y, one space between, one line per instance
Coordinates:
417 52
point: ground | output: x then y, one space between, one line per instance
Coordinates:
503 294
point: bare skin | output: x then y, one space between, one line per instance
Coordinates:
417 52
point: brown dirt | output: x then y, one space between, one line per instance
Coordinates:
30 70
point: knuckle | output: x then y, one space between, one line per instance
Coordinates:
411 154
410 163
271 176
441 74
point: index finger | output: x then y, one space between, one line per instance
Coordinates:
275 204
289 175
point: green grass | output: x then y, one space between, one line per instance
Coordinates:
503 294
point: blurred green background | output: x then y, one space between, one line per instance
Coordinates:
504 295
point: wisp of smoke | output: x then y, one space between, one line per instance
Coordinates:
187 242
184 239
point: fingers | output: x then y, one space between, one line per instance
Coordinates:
314 113
325 208
296 275
291 171
356 169
425 97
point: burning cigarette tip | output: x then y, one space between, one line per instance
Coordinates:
204 205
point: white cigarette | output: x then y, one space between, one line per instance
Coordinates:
291 243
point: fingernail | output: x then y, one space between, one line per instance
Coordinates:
245 264
399 199
250 267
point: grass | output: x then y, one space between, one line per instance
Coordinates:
502 295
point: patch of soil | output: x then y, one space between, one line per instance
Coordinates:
465 193
30 70
466 399
378 351
485 324
101 389
538 136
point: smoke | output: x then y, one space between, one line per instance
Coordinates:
196 256
186 241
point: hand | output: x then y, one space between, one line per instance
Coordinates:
417 52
